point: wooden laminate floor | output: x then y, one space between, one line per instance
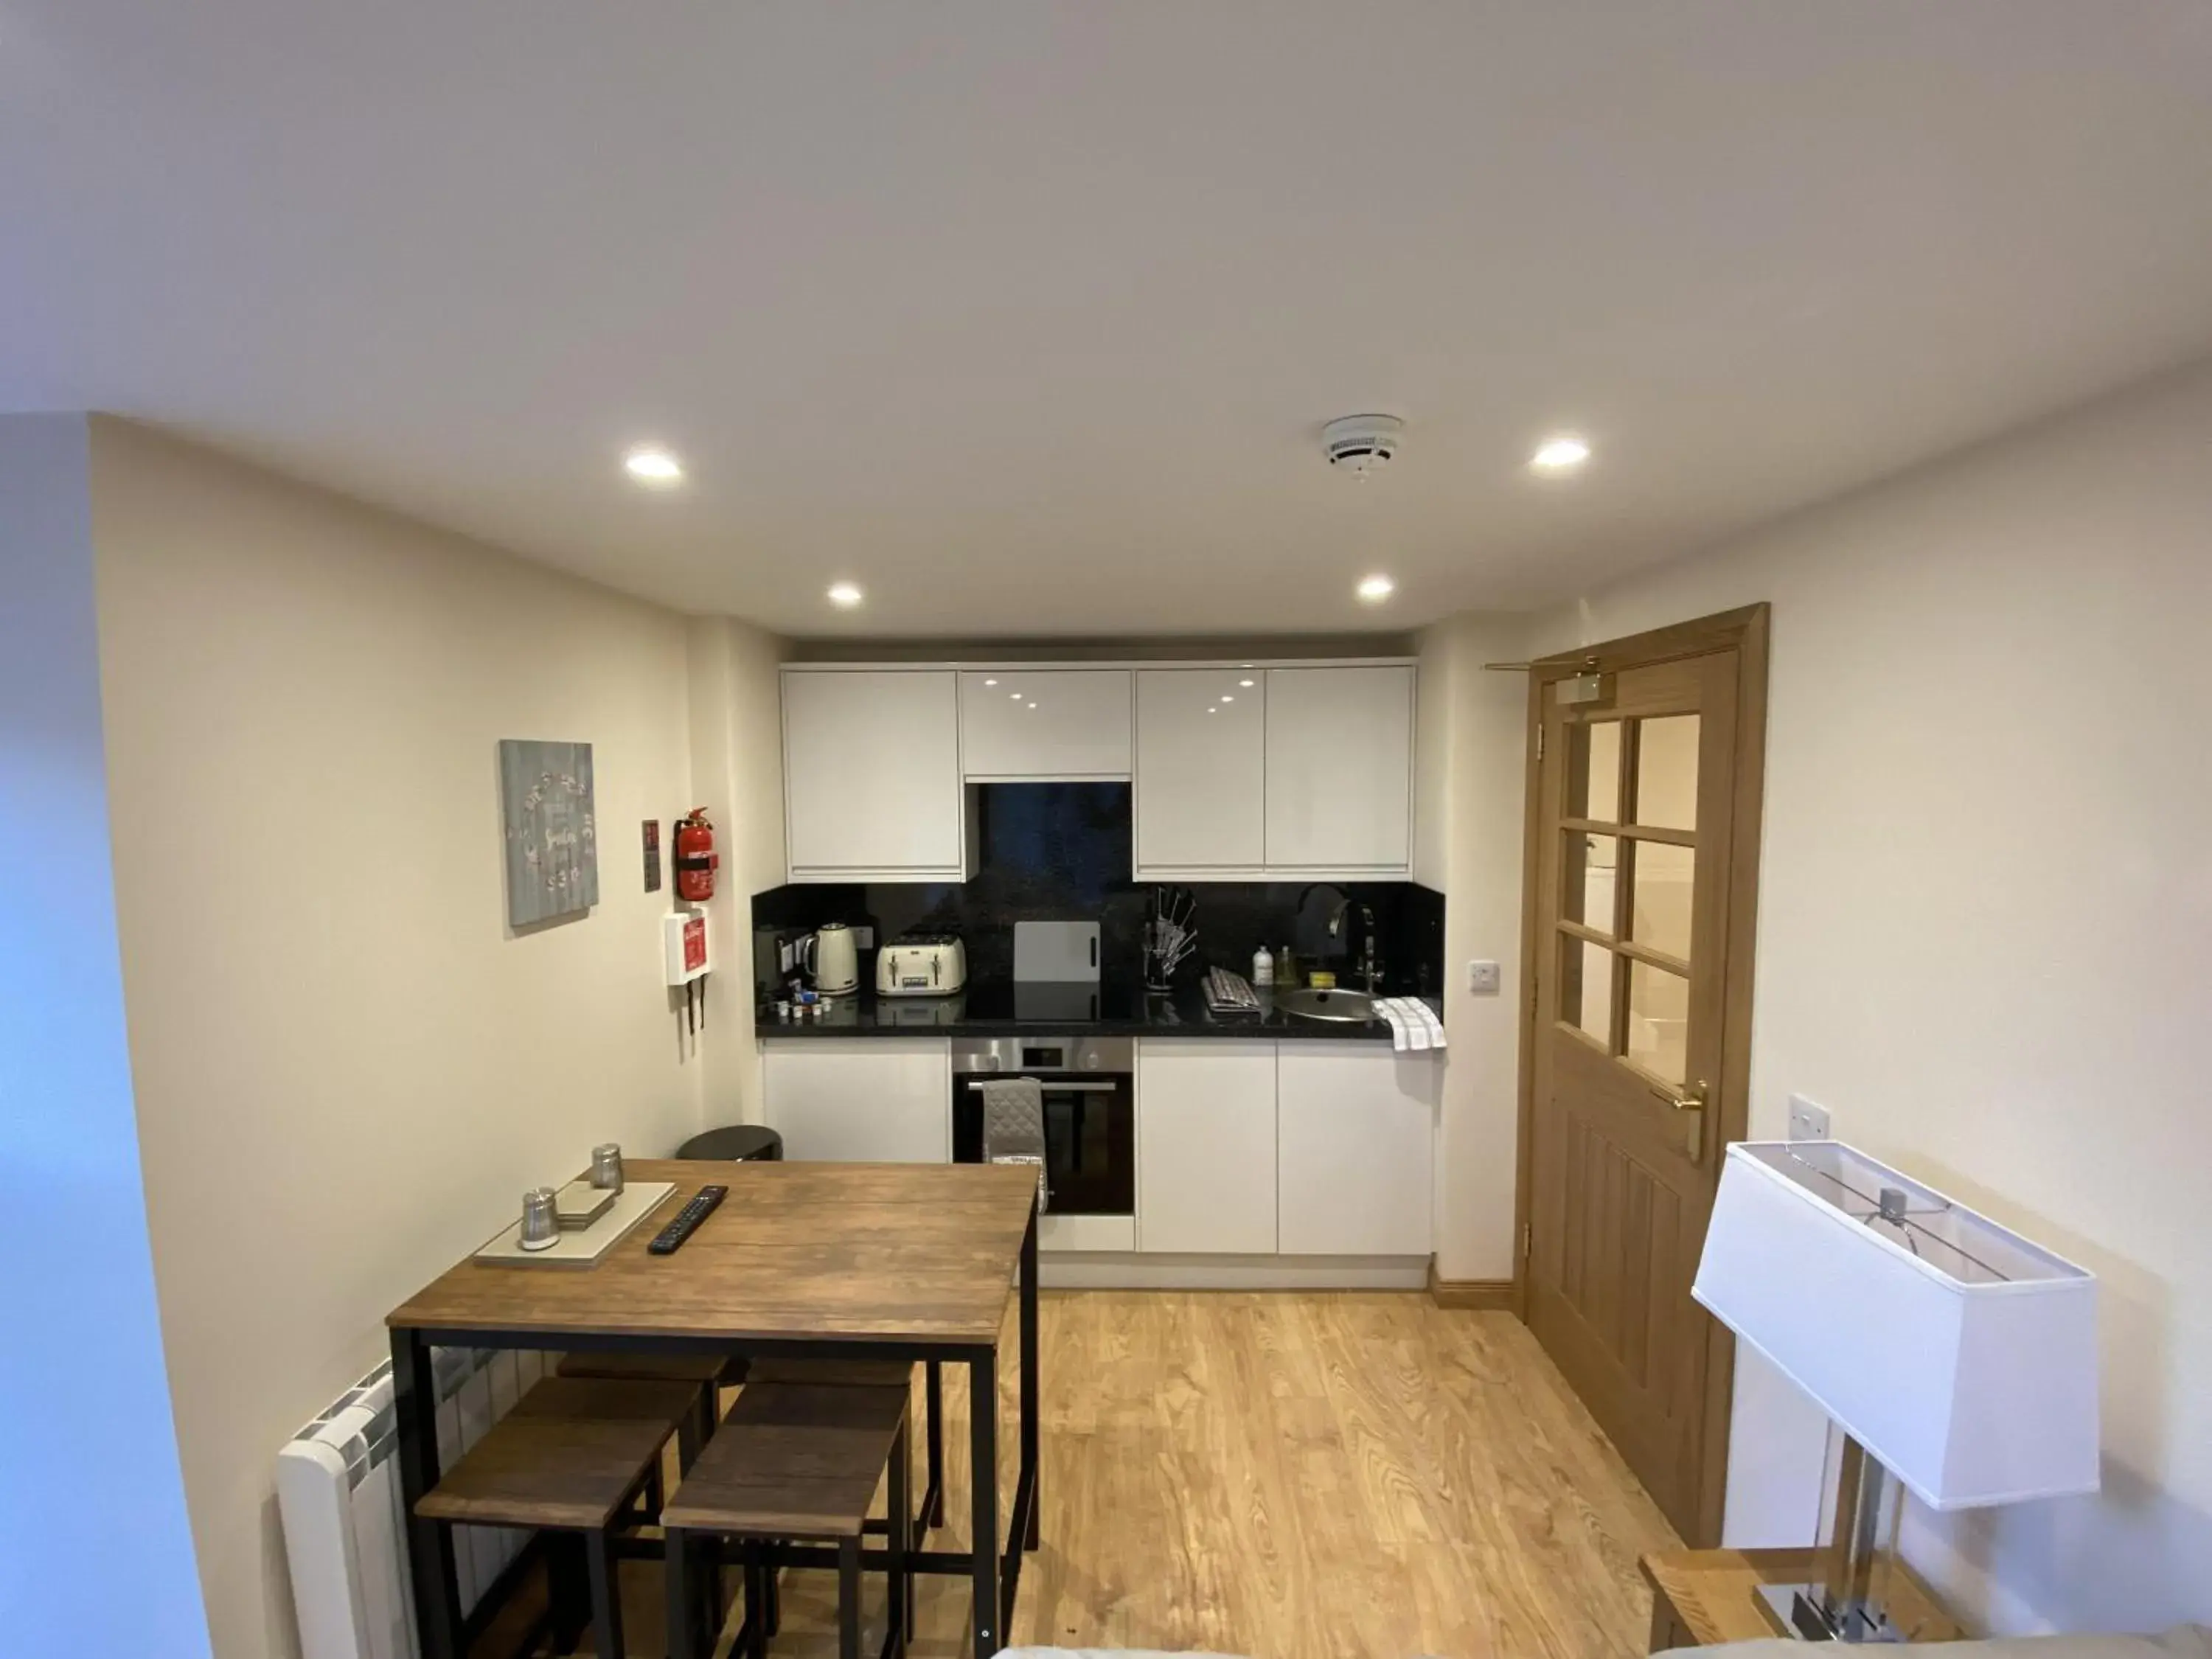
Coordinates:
1291 1476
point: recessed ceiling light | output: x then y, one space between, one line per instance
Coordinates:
649 464
1247 684
1032 709
1016 695
844 595
1213 711
1376 589
1225 697
1561 454
990 682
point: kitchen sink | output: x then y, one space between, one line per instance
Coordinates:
1331 1007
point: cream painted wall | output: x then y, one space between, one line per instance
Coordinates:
1468 798
736 770
96 1544
347 1068
1985 932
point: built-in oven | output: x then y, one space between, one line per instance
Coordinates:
1089 1090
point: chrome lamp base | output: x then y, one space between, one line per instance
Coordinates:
1805 1612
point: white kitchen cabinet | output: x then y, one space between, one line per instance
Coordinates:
1355 1141
1206 1146
1339 770
1202 772
1048 723
872 776
865 1100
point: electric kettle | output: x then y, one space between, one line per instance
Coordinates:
832 960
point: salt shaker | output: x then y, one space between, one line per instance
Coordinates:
541 1227
607 1167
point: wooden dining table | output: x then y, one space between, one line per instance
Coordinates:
886 1261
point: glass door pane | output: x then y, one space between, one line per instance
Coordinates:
1667 772
1662 885
1586 988
1592 869
1658 1021
1594 770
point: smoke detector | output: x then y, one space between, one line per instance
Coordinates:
1361 444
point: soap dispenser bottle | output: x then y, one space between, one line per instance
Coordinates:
1263 967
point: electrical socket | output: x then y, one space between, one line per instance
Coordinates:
1807 1121
1482 978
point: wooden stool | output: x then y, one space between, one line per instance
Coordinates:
570 1458
796 1463
705 1372
875 1374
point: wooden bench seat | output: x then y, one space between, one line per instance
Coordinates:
698 1369
570 1457
793 1462
832 1373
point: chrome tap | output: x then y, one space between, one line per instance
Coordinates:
1370 967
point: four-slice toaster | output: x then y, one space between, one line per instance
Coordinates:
922 965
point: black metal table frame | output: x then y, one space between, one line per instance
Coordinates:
997 1577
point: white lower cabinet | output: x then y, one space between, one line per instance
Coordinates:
1206 1146
1355 1140
870 1100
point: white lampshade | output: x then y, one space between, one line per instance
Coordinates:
1958 1354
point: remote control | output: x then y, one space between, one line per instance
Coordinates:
670 1239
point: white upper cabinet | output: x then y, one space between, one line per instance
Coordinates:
1339 770
872 776
1045 723
1201 771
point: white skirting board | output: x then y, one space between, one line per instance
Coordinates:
1070 1270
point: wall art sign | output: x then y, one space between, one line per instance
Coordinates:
552 836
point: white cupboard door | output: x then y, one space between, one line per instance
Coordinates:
1206 1146
872 776
1045 723
1355 1125
870 1100
1340 769
1201 770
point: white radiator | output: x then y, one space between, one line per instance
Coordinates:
338 1488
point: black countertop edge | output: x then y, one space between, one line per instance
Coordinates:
1182 1015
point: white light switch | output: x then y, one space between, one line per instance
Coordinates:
1807 1121
1482 978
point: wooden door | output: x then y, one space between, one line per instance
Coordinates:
1645 763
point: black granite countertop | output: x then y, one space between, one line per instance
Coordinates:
1003 1009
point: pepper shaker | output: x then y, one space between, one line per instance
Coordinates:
607 1167
541 1225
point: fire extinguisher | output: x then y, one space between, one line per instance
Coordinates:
696 858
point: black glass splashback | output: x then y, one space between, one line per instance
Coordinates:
1061 852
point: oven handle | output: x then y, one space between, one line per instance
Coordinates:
1050 1088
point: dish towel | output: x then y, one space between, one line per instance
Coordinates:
1013 1125
1413 1024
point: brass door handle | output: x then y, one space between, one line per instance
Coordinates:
1691 1100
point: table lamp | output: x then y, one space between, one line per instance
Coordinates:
1957 1360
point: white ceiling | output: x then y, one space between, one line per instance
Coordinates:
1025 316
